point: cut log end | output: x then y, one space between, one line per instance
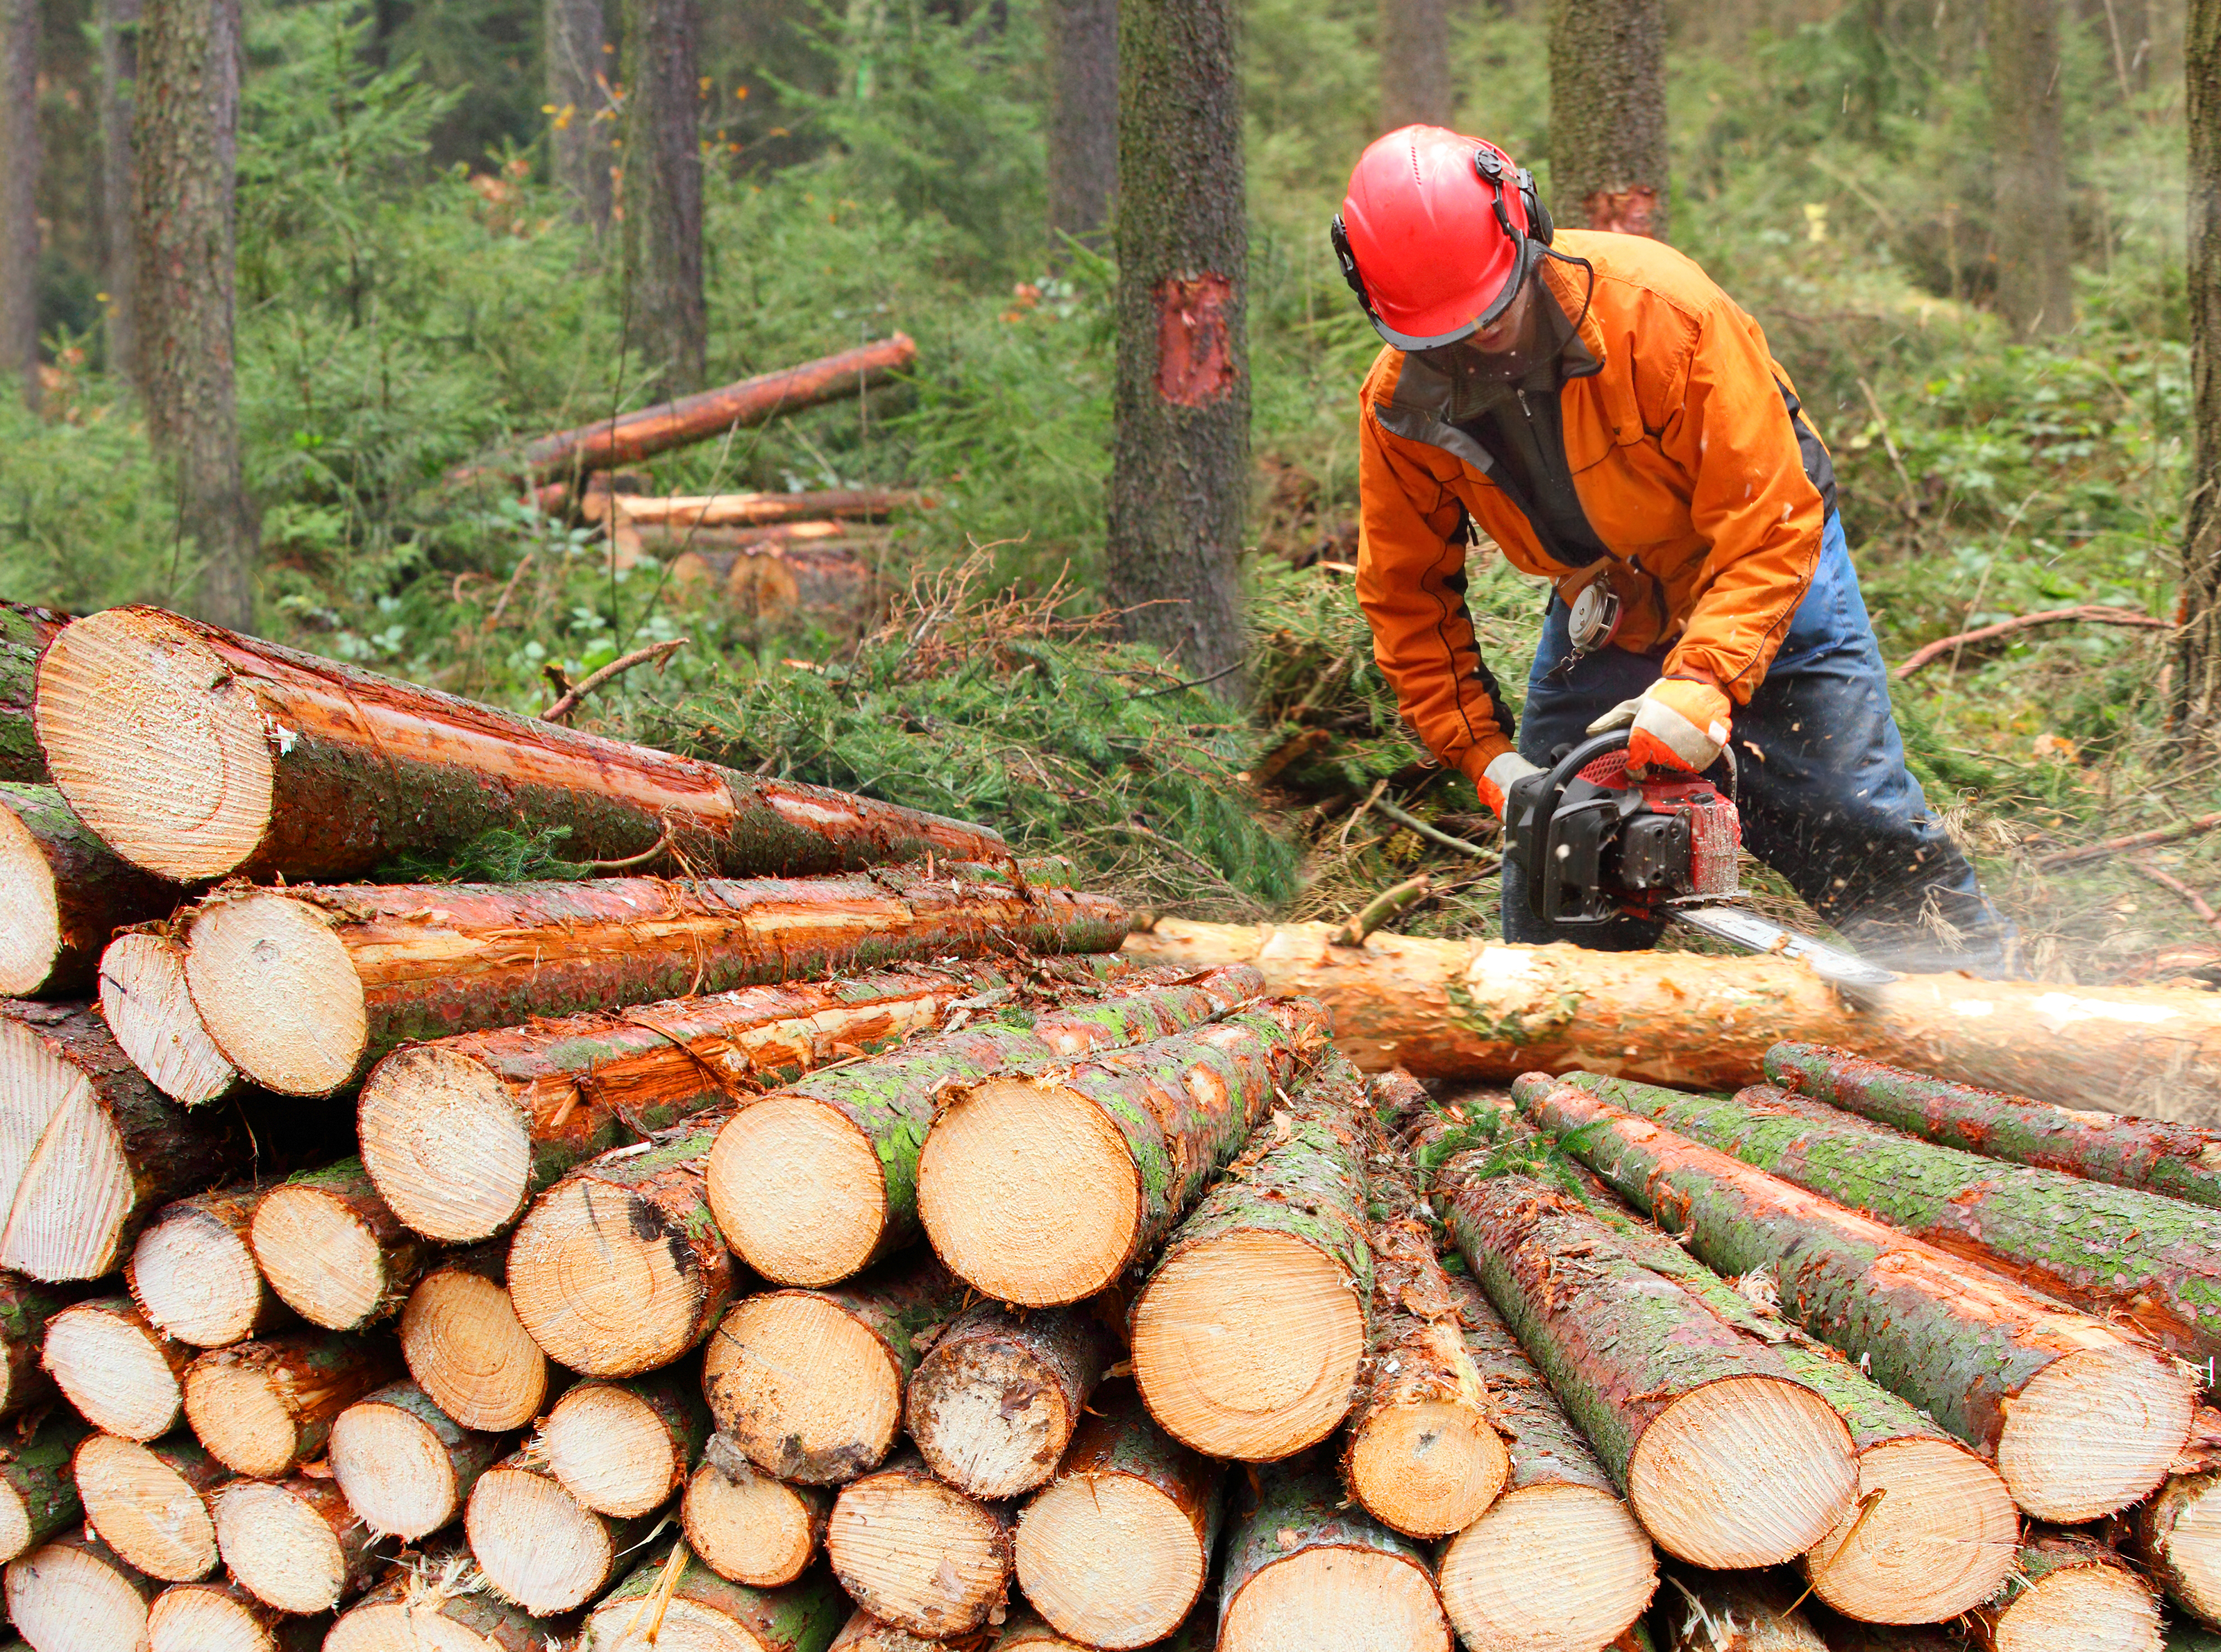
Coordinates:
30 910
2093 1432
396 1626
424 1113
1553 1568
194 1275
66 1205
1428 1468
114 1368
283 1549
1355 1600
748 1527
987 1417
797 1190
240 1414
2181 1531
864 1633
394 1470
807 1391
2096 1608
597 1285
918 1554
75 1594
215 1617
277 993
1111 1560
1247 1346
144 999
155 744
1017 1234
144 1509
538 1546
320 1255
468 1350
1939 1541
610 1449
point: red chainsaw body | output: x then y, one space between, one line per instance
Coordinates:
1714 842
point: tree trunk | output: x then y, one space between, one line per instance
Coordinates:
146 1004
714 1611
186 125
1484 1011
747 1526
2035 241
2009 1372
19 167
125 1376
1180 464
1080 42
1123 1143
118 23
1117 1551
1302 1571
265 1408
193 1272
63 894
2197 707
148 1503
400 1610
294 1544
2068 1590
919 1554
468 1350
627 1448
1415 65
27 1307
1609 157
223 1617
994 1404
538 1546
578 91
1022 1632
301 768
1711 1613
302 991
822 1179
2176 1538
1249 1335
2177 1160
405 1466
75 1592
333 1251
809 1384
112 1148
39 1494
663 191
24 634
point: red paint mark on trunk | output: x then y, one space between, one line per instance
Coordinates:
1631 212
1195 352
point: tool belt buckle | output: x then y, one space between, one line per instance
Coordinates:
1593 618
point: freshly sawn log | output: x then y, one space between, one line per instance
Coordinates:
404 1465
148 1503
75 1593
218 1617
653 1609
120 1372
193 1272
539 1547
747 1526
266 1407
295 1544
439 1604
918 1554
2067 1591
63 895
332 1250
466 1348
1710 1611
2178 1535
994 1403
147 1005
626 1448
24 633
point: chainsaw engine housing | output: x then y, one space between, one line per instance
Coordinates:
1599 847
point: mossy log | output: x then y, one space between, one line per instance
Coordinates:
627 1448
405 1466
2178 1535
2159 1157
221 1617
539 1547
746 1525
74 1592
124 1375
27 1307
112 1148
1714 1611
302 990
38 1488
809 1384
918 1554
650 1609
2118 1253
993 1404
63 895
295 1544
468 1350
200 753
2080 1418
1303 1570
193 1272
438 1602
149 1503
24 633
2066 1590
148 1006
265 1408
814 1183
333 1251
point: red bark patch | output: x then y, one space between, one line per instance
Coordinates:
1195 351
1631 212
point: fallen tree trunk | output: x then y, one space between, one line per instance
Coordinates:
197 753
2012 1374
468 1350
121 1373
747 1526
63 895
2180 1160
39 1494
193 1272
302 991
626 1448
146 1004
539 1547
333 1251
699 1608
148 1503
919 1554
681 511
265 1408
993 1405
2178 1535
2067 1591
1482 1010
24 633
438 1602
406 1467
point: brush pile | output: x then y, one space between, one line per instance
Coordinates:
838 1241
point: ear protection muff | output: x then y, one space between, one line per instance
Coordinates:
1490 166
1339 235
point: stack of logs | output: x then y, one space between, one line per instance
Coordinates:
839 1243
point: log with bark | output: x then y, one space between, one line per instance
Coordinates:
626 1448
995 1401
27 1307
122 1373
2178 1160
146 1004
656 1608
539 1547
1727 1457
149 1503
38 1488
713 510
404 1465
302 990
1022 1632
2069 1590
1247 1337
1124 1141
818 1182
2178 1535
223 1617
918 1554
466 1348
24 633
1303 1570
438 1602
1116 1551
193 1272
333 1251
197 753
294 1544
1483 1010
265 1408
74 1593
2012 1374
1713 1611
809 1384
747 1526
63 895
112 1148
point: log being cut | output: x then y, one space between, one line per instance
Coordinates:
2081 1417
995 1401
146 1004
468 1350
657 1607
1482 1010
63 895
404 1465
197 754
333 1251
918 1554
746 1525
2067 1591
24 634
193 1272
302 990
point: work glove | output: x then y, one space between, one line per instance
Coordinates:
1675 725
1500 776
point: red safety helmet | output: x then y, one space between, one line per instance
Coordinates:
1437 234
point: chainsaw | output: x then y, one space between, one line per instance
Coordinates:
1597 845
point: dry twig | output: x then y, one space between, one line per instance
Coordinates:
1388 904
2088 613
571 700
2169 881
2173 834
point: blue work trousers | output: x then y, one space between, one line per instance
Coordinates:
1824 795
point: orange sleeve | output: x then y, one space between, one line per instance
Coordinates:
1411 583
1751 500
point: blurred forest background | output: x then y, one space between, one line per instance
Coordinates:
422 278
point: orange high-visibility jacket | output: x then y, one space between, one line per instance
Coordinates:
1683 439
